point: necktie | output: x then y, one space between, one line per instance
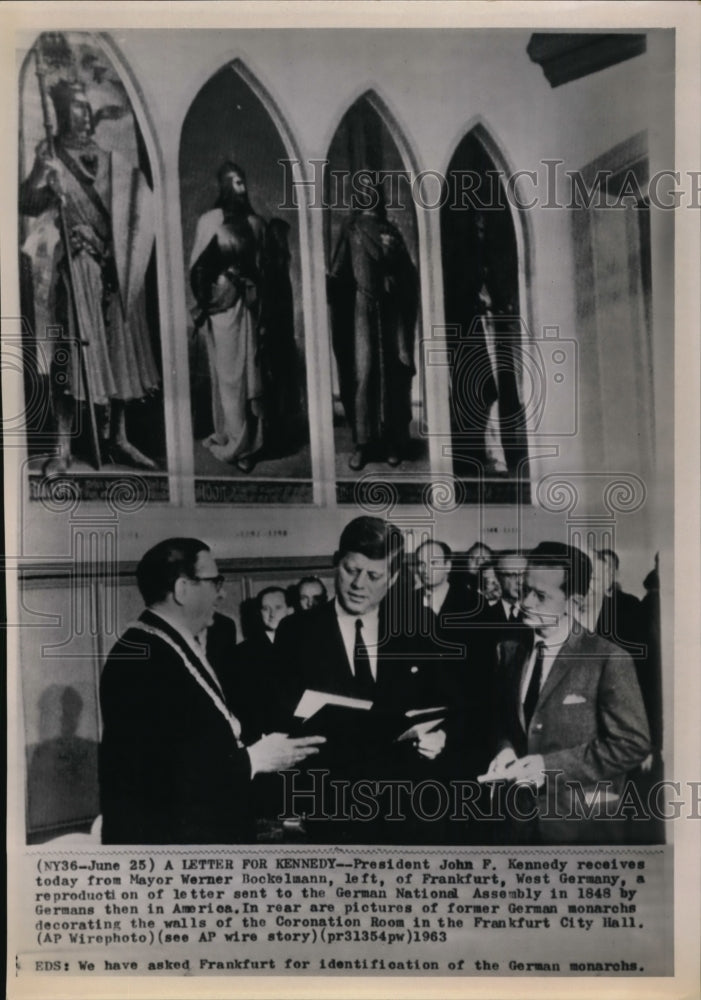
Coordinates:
533 691
364 683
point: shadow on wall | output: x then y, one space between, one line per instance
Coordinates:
61 768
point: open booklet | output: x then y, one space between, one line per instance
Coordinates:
338 716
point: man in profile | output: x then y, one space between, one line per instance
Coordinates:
569 702
173 767
106 203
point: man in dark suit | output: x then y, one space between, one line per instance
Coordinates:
569 704
438 592
476 557
173 766
621 619
361 643
257 686
309 593
511 570
368 643
220 639
620 615
460 621
500 616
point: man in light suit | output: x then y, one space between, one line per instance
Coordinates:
569 705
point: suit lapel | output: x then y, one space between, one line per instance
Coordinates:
560 668
385 660
521 658
198 662
195 663
338 658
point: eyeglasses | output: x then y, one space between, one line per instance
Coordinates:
218 580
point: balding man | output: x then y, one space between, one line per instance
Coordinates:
438 592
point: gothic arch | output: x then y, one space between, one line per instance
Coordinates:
369 137
133 136
495 149
487 249
397 130
232 117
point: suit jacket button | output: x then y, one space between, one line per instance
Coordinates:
539 725
414 669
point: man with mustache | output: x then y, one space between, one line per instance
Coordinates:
103 286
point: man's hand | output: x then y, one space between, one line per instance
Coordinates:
49 168
528 770
277 751
431 744
506 766
497 770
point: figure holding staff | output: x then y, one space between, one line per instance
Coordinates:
101 206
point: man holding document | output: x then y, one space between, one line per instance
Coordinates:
174 768
369 678
571 718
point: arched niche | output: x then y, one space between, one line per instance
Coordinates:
491 377
368 146
233 119
127 188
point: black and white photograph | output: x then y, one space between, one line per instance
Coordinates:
350 421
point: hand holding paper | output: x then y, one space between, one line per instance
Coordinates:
498 769
506 766
528 770
431 744
312 702
428 739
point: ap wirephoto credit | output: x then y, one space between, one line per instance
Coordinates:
348 645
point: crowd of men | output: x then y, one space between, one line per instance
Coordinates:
507 697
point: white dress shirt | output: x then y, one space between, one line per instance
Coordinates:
435 599
370 632
507 606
